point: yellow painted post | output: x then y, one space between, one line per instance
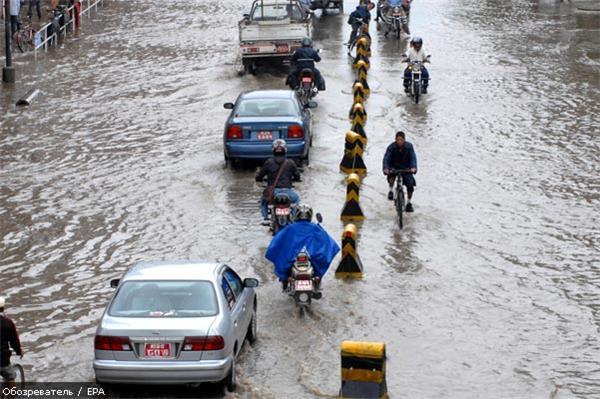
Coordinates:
351 210
353 150
358 114
350 265
363 370
358 91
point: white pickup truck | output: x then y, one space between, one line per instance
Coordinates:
272 31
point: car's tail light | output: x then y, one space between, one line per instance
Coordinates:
210 343
234 132
295 132
107 343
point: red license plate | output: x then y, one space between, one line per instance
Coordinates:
158 350
264 135
282 48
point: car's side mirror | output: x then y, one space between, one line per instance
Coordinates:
312 104
319 218
228 105
114 283
250 282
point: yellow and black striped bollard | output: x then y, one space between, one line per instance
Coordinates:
353 161
350 265
363 370
351 210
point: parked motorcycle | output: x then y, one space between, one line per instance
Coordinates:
281 211
416 83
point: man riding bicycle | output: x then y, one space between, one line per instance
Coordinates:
8 337
401 155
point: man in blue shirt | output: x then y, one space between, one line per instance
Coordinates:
361 14
401 155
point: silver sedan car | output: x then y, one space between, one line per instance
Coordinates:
175 322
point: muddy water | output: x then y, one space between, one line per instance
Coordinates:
491 290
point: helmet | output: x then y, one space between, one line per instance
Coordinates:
416 42
2 302
304 212
307 42
279 147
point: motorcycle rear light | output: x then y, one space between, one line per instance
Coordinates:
234 132
301 259
108 343
295 132
210 343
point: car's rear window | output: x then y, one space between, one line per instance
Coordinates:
266 107
165 299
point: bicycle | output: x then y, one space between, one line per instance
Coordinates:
399 201
25 38
361 30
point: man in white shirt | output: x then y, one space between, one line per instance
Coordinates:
416 53
15 8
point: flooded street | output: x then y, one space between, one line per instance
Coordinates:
491 290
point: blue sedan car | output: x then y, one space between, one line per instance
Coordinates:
261 116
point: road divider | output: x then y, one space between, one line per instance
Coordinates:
353 162
350 266
363 370
358 114
351 210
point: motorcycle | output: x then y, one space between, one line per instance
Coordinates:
303 284
416 84
306 87
281 211
396 21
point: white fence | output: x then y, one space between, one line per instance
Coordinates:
43 40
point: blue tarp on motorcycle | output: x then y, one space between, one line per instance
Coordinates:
292 239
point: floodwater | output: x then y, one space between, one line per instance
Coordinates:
492 289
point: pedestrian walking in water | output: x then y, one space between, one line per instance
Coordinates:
36 4
77 11
15 8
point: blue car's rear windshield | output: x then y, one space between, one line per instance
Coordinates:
266 107
165 299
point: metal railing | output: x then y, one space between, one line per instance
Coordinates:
42 39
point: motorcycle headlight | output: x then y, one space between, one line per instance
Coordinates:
396 10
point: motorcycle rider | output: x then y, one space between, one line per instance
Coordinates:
383 8
305 52
416 53
8 336
401 155
360 14
298 236
270 169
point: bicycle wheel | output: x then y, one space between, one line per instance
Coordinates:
399 202
21 40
